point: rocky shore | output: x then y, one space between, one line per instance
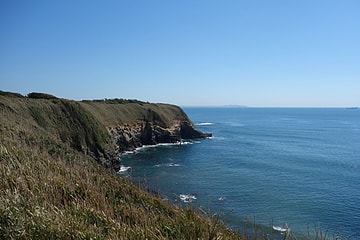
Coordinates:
129 137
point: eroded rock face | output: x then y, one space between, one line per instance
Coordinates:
187 131
129 137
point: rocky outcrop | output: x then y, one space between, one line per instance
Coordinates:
188 131
129 137
133 124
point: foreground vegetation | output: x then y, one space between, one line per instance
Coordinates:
57 181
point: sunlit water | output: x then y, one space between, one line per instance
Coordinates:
274 166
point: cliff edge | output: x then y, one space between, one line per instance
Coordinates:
100 128
134 124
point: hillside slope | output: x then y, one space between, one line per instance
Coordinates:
53 186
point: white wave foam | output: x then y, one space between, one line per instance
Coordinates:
168 165
128 152
182 142
281 229
173 165
163 145
187 198
123 169
205 124
144 147
216 138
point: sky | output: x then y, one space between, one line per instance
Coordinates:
257 53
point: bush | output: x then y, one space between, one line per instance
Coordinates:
41 96
10 94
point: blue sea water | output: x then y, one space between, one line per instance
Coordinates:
271 165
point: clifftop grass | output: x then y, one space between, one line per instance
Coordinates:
64 120
117 112
53 186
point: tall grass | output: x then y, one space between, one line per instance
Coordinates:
47 198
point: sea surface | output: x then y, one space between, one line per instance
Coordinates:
272 166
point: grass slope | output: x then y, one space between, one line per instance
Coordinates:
112 113
53 187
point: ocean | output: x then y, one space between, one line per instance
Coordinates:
271 166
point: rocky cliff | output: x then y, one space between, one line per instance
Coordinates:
134 124
100 128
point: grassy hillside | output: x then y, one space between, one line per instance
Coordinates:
115 112
63 120
53 187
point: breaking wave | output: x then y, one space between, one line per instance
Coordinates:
168 165
205 124
123 169
187 198
144 147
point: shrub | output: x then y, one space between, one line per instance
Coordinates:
10 94
41 96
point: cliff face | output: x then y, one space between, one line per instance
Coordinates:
128 137
133 125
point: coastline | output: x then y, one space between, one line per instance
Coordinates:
58 160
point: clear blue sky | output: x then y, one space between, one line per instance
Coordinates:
201 52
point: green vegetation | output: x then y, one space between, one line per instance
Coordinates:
116 101
53 187
41 95
10 94
133 112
